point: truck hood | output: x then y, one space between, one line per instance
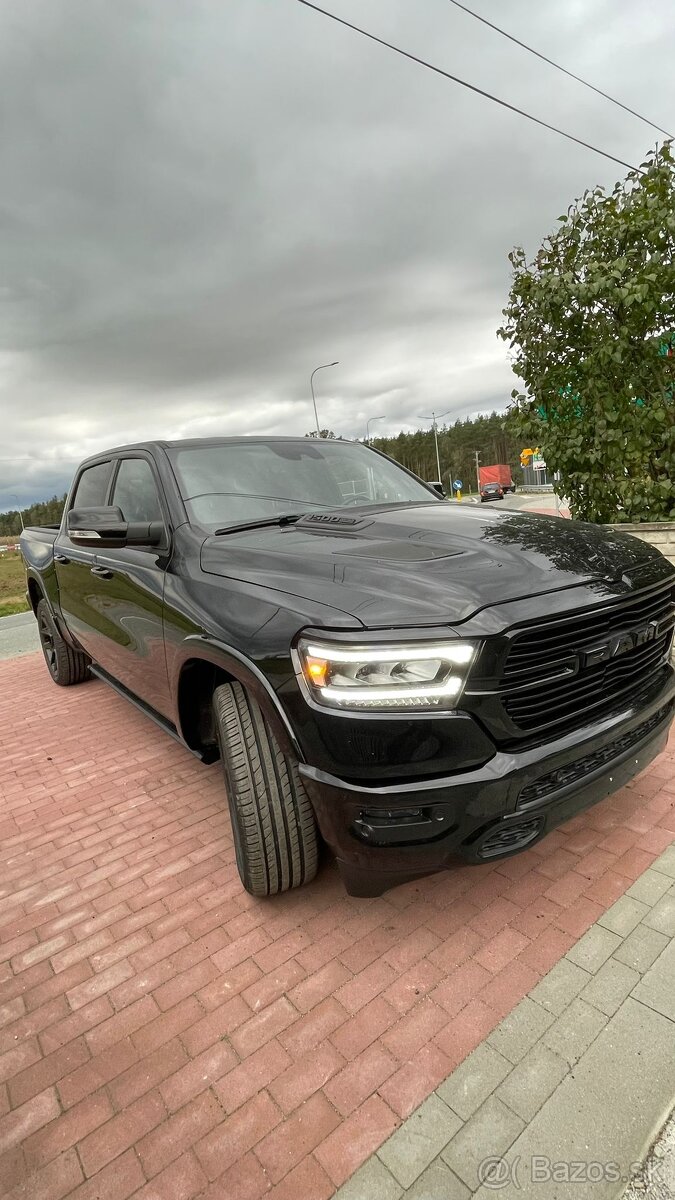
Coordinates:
431 563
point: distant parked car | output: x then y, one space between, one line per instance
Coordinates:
491 491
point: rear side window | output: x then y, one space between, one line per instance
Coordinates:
135 491
92 487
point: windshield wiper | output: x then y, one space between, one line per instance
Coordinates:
284 519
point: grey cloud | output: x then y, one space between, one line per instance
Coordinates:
202 201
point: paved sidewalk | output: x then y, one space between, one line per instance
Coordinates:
165 1036
568 1092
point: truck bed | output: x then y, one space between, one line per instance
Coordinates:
37 545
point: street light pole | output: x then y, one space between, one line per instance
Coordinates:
311 384
368 427
477 458
434 418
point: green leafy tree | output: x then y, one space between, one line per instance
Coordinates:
591 325
457 446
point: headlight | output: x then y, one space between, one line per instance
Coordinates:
415 676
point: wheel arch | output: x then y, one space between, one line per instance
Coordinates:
35 593
38 589
203 665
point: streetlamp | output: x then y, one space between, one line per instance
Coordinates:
368 427
434 418
311 384
13 496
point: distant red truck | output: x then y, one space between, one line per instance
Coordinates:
497 473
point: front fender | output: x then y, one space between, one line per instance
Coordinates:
203 648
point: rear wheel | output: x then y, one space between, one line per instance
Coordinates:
273 825
65 665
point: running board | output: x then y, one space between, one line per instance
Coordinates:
208 755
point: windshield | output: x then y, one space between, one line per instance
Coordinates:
234 482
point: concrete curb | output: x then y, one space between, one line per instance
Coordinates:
567 1094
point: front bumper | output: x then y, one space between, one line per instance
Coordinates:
383 836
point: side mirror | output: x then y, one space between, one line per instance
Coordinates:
104 528
438 487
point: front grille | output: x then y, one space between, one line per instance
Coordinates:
545 682
533 793
542 646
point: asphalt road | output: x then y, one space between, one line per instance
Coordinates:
18 635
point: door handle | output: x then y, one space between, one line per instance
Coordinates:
101 572
61 558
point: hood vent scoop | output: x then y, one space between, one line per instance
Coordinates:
402 552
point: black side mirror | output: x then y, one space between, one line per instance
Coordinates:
438 487
104 528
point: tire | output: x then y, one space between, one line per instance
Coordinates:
275 835
66 666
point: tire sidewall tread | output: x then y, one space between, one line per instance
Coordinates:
272 819
71 666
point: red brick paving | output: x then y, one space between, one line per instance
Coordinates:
551 512
163 1034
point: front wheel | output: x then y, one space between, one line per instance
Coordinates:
273 825
65 665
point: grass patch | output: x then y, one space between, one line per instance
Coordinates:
12 584
12 607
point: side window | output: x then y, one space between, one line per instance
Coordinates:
135 491
92 487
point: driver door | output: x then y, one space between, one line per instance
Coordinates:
130 590
74 563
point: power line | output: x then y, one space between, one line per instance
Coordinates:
558 67
463 83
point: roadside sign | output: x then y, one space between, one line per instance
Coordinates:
539 462
457 484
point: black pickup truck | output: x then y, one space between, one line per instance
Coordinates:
414 682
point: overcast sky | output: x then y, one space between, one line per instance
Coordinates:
202 200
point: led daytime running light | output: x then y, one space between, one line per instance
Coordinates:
458 652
